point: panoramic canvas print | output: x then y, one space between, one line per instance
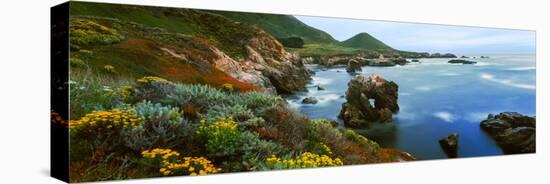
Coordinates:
158 91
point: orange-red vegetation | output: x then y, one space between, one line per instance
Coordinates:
144 57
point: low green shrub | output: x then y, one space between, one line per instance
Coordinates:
153 88
90 93
76 62
163 126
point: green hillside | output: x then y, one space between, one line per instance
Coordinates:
281 26
365 41
218 30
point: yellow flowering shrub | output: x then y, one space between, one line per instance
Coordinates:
306 160
125 91
222 137
115 118
318 148
151 79
172 164
152 88
109 69
227 87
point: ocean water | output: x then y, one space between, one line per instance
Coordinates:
435 100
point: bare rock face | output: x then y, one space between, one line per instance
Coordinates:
450 145
353 66
513 132
267 65
369 99
285 71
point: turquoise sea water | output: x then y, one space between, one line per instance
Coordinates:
435 100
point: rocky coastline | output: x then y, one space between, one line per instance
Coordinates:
512 131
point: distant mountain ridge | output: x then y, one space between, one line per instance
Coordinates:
281 26
365 41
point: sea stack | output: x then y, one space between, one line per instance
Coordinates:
369 99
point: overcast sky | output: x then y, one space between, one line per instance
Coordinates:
430 38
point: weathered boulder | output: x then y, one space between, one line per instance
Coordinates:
513 132
353 66
449 145
369 99
461 61
310 100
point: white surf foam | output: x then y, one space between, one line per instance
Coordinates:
510 83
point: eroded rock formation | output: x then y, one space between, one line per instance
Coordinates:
369 99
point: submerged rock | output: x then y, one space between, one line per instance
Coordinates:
415 60
513 132
310 100
461 61
450 145
353 66
369 99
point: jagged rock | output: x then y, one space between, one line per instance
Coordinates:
369 99
310 100
513 132
267 65
285 70
353 66
461 61
319 88
450 145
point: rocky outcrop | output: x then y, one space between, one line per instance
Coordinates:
461 61
310 100
449 145
513 132
284 70
369 99
267 65
353 66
